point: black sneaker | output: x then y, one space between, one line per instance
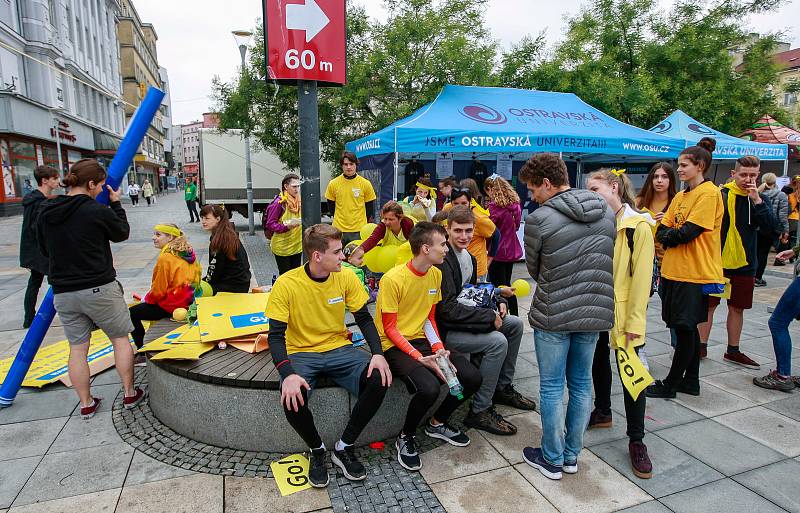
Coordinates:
490 421
317 472
659 389
448 433
760 283
688 387
509 396
347 461
533 456
407 454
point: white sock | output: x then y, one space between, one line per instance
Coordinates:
340 446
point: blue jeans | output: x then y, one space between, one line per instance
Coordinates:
560 356
785 312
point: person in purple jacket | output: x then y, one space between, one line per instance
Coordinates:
283 223
506 213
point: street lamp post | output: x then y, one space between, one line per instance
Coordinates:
242 37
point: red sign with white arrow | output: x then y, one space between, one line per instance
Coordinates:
305 40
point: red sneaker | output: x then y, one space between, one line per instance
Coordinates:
132 401
87 412
640 461
741 359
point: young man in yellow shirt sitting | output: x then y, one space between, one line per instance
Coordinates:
406 310
308 337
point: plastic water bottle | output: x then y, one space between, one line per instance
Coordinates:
452 381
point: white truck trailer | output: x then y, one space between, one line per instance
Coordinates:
222 172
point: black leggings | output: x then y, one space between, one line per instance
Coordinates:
287 263
500 274
369 400
425 385
601 376
145 312
764 244
686 360
192 206
31 294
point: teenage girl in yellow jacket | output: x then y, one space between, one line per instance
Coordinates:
633 272
176 276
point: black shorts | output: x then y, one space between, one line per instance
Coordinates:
683 304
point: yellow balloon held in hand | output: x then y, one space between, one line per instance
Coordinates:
371 259
521 288
367 230
386 258
179 314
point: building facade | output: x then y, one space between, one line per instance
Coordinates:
166 114
60 88
139 69
191 141
789 82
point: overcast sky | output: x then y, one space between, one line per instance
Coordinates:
194 40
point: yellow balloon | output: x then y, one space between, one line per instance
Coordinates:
386 258
367 230
521 287
403 254
179 314
371 259
205 289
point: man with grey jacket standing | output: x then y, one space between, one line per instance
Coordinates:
569 245
779 204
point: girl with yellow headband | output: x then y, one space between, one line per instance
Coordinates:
422 205
176 276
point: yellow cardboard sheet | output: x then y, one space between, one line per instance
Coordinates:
168 341
50 363
184 352
190 336
291 474
635 377
231 315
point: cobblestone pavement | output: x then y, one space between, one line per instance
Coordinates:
736 448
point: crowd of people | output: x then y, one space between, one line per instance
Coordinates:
447 314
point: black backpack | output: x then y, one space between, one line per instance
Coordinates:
656 275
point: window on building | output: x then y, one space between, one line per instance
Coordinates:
53 18
79 33
70 26
89 49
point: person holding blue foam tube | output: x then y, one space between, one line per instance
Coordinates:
119 167
85 287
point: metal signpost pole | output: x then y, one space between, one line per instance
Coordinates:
309 152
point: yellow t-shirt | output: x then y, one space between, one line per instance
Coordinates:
350 195
314 311
410 296
699 261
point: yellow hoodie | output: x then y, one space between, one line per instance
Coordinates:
632 292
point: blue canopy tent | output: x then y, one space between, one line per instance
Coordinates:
466 121
682 126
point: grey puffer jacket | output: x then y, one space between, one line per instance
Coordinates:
780 207
569 247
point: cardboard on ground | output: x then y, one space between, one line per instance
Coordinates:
50 363
227 316
291 474
255 346
168 341
184 352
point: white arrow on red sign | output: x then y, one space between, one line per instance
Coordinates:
308 17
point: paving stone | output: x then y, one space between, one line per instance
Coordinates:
660 414
145 469
713 447
45 405
766 426
468 494
449 462
713 401
80 433
789 406
256 495
597 488
776 482
189 494
13 475
741 383
647 507
673 469
529 430
107 377
31 438
97 502
77 472
725 496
